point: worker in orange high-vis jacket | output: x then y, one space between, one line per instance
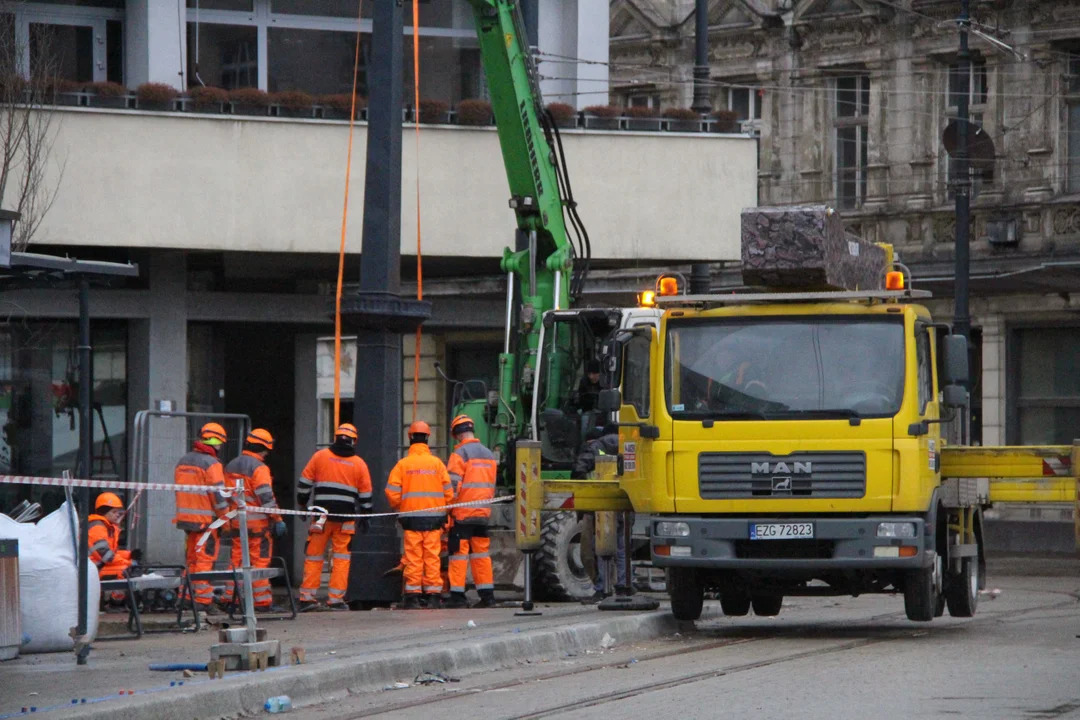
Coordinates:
419 487
104 531
198 507
262 522
337 480
472 472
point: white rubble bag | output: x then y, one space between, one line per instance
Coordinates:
49 582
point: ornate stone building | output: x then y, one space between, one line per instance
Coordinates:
850 100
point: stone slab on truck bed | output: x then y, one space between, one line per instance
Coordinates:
806 247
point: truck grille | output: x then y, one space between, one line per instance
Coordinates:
730 476
785 549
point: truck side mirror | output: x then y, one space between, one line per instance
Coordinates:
955 361
609 400
955 396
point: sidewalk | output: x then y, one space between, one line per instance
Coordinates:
347 650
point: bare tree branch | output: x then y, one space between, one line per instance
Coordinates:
28 125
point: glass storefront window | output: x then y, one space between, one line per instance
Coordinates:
456 14
319 62
450 69
326 8
39 414
115 4
228 55
66 51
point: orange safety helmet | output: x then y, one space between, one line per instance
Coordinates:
212 431
260 436
419 428
348 430
108 500
460 424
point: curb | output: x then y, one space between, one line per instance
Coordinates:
315 682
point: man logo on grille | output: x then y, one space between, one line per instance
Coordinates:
781 485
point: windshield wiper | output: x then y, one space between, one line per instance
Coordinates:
826 413
739 415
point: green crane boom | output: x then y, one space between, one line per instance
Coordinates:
541 266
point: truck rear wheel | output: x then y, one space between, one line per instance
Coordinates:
962 590
735 604
687 594
559 572
767 605
921 595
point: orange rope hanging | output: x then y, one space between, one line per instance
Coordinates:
344 225
419 256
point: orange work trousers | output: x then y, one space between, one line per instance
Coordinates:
260 548
474 551
201 560
422 562
339 535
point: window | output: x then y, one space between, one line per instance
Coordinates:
227 55
1047 395
1072 100
850 122
745 102
977 95
646 101
77 41
926 376
309 45
739 369
636 375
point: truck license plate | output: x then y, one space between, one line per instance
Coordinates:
781 531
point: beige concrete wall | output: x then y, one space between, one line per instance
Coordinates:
245 184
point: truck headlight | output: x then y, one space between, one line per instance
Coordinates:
672 529
896 530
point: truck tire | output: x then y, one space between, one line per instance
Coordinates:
921 597
735 604
559 573
687 595
962 590
767 605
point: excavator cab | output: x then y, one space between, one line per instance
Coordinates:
570 341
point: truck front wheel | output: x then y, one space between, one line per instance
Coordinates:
687 594
921 596
962 591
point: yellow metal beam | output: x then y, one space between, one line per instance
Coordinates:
1037 490
585 495
1046 462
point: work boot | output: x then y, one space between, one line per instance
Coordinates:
433 601
411 602
487 599
337 606
307 605
594 598
457 601
623 591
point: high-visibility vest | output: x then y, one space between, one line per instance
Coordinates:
472 469
104 538
337 483
258 491
199 507
420 483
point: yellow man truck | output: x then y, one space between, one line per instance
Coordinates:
791 444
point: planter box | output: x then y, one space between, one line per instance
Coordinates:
599 123
567 124
331 113
686 126
806 248
111 103
643 124
307 112
68 99
206 108
440 119
157 106
255 110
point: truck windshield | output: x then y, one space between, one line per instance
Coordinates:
785 368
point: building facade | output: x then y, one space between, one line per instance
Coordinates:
235 221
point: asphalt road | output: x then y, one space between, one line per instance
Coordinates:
821 658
